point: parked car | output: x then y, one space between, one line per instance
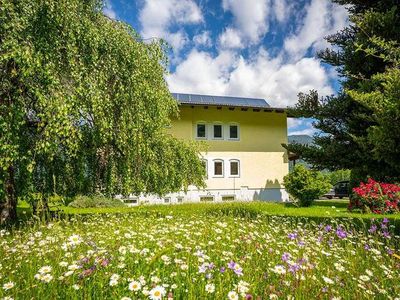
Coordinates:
339 190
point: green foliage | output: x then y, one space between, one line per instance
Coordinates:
338 175
360 124
305 185
84 105
82 201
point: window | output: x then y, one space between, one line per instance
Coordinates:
218 134
228 198
233 132
167 200
206 198
218 168
201 131
234 168
179 199
130 201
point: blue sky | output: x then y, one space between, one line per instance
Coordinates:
249 48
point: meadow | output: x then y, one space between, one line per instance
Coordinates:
232 251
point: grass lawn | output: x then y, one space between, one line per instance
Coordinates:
201 251
321 209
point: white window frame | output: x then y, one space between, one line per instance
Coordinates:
229 131
222 131
230 169
223 166
196 132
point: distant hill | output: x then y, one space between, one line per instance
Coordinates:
301 139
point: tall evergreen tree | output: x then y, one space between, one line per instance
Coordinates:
346 122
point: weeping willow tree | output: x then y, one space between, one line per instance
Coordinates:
84 106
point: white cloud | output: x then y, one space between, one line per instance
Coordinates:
203 39
300 127
109 11
310 130
202 73
250 17
294 122
157 17
281 10
322 18
269 78
230 38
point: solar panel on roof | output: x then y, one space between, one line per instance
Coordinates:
219 100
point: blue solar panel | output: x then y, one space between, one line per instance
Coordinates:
195 99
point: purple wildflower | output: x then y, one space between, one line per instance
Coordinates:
231 265
372 229
341 234
238 271
286 256
292 236
203 268
328 228
367 247
294 268
222 270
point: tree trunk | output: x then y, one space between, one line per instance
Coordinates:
8 209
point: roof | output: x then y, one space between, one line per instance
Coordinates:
193 99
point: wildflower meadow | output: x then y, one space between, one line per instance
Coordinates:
198 256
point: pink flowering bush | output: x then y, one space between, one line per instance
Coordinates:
376 197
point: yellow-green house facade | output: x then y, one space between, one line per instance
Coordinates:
244 156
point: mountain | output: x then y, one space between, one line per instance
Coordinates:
301 139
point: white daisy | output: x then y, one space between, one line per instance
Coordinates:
232 295
210 288
134 286
157 293
8 285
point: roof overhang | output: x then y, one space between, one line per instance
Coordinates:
239 107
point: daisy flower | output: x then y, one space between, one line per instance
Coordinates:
8 285
45 270
210 288
134 286
232 295
157 293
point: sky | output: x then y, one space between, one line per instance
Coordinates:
249 48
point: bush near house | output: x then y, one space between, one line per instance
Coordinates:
376 197
95 201
305 185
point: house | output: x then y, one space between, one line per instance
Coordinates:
245 159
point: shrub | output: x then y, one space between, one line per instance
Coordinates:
376 197
305 185
339 175
95 201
